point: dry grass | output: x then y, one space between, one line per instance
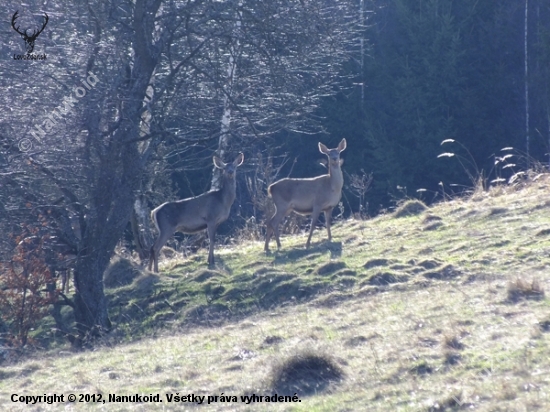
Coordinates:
411 207
445 337
522 289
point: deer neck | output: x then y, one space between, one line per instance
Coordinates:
336 177
228 189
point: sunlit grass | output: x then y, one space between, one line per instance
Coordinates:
417 317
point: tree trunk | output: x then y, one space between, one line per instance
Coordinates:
223 143
113 202
140 229
526 64
90 305
114 181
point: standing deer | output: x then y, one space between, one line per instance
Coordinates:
307 196
194 214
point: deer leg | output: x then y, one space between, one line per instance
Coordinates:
277 219
155 249
151 257
268 233
64 283
328 215
314 217
211 229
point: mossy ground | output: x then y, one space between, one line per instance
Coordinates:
442 309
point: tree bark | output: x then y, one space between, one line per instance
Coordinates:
115 181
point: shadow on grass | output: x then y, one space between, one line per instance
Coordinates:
316 249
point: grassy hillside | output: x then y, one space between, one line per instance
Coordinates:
422 310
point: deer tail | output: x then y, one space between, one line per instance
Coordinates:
154 218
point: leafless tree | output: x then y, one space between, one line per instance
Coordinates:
136 89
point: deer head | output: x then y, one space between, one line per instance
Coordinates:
29 39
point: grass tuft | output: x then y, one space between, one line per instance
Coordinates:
520 288
386 278
453 402
544 325
120 272
376 262
305 373
411 207
421 368
330 268
451 358
451 341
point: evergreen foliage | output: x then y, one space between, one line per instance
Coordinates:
436 70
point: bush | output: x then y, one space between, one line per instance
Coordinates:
26 289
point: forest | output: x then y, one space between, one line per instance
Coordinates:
127 102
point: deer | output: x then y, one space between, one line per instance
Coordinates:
309 196
194 214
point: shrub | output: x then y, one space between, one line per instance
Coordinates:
26 288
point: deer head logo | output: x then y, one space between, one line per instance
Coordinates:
29 38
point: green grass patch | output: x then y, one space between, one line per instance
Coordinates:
436 309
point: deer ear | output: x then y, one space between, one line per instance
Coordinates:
341 162
323 149
323 162
218 162
239 160
342 146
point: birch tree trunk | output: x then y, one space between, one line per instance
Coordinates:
526 55
225 129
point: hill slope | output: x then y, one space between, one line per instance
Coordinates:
441 309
